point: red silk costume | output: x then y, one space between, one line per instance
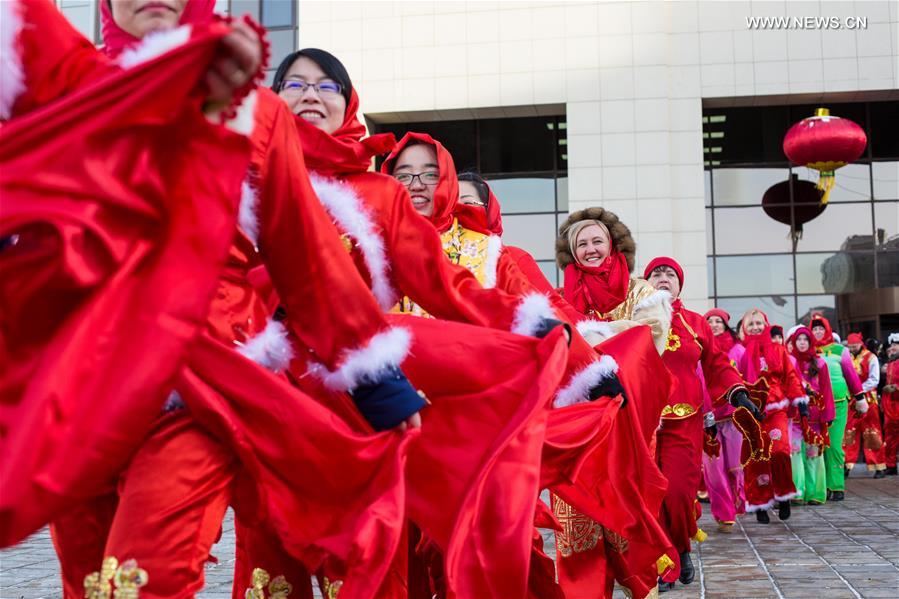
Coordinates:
890 402
771 479
863 430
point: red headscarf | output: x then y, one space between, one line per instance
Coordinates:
803 357
758 347
827 339
344 151
116 40
446 194
598 288
494 213
488 219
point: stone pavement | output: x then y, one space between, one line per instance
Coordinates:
839 550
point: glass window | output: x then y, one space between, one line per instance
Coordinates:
808 304
840 272
884 118
840 226
533 233
518 145
886 219
550 271
852 183
562 194
710 269
278 13
744 275
746 134
780 309
749 231
249 7
886 180
283 43
744 186
525 194
709 232
707 178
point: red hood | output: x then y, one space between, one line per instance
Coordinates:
827 339
494 214
116 40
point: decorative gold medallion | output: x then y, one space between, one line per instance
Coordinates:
673 343
331 589
579 532
278 587
127 578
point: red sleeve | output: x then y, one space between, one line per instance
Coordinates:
792 381
720 375
330 308
55 58
445 290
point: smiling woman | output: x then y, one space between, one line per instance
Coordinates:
316 86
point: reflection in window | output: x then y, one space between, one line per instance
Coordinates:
886 180
277 13
806 305
840 226
534 233
780 309
886 222
852 182
525 194
749 231
840 272
744 275
562 194
745 186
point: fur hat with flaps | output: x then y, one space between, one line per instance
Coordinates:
621 235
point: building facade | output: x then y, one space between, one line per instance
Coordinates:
670 114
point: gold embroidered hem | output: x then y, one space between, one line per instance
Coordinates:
278 587
127 578
330 589
677 411
579 532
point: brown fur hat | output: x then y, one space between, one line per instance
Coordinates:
621 235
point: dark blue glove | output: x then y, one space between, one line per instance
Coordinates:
388 402
609 387
548 324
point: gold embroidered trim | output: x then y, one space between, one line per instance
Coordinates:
614 540
673 342
680 410
579 532
278 587
127 578
331 589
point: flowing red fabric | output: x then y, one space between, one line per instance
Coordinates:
344 151
494 213
600 288
827 339
111 263
116 40
759 348
725 342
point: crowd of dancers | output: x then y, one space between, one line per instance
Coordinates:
210 300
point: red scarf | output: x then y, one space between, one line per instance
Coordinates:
597 288
725 342
116 40
758 347
344 151
494 214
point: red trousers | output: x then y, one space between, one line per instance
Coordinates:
770 480
166 514
679 455
890 437
864 430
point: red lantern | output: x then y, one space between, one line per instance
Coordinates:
824 143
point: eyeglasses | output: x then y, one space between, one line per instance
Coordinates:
323 88
429 178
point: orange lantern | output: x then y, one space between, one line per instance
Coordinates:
824 143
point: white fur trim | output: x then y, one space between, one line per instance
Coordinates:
788 496
578 388
759 508
270 347
533 309
12 76
659 298
799 400
494 249
780 405
353 216
595 327
153 45
246 216
369 363
245 116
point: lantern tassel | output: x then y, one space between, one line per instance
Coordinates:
825 183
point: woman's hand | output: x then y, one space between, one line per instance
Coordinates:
413 421
237 60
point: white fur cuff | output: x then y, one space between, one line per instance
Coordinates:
593 328
532 310
800 400
269 348
659 298
788 496
12 76
367 364
759 508
153 45
780 405
494 249
578 388
246 215
245 116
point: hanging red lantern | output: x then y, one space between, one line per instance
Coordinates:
824 143
806 204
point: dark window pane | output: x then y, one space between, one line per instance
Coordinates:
533 233
882 133
806 305
459 138
525 194
745 135
840 226
743 275
780 309
749 231
840 272
886 180
518 145
278 13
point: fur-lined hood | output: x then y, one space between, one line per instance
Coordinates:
621 235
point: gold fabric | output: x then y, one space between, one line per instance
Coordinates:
114 581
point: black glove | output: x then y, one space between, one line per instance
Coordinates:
803 409
548 324
609 387
388 402
740 399
712 431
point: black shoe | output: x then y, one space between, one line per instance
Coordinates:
829 494
892 471
783 510
846 472
880 474
761 517
687 572
664 587
837 496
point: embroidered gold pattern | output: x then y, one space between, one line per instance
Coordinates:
615 540
673 343
579 532
278 587
330 589
679 410
128 579
347 242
